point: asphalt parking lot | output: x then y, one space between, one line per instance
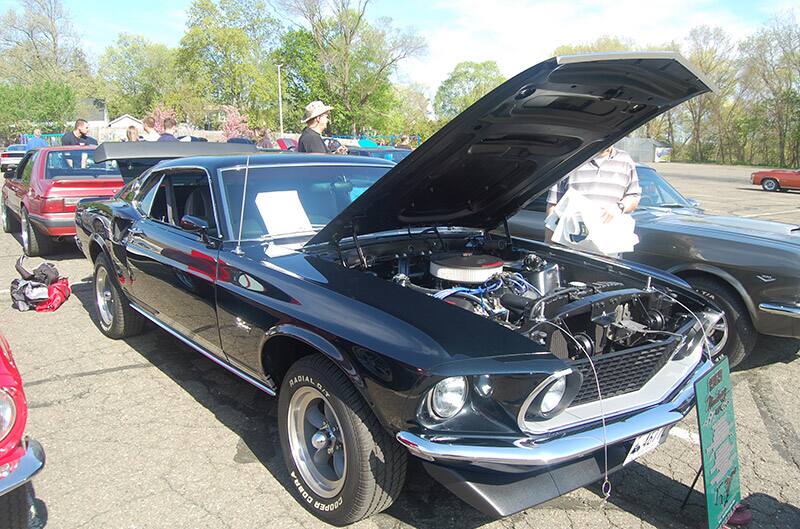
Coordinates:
146 433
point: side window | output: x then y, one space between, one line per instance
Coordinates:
27 171
168 197
146 196
24 165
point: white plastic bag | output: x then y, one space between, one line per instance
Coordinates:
578 222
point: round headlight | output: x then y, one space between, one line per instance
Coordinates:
8 413
553 396
448 397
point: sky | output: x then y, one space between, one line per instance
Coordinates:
515 33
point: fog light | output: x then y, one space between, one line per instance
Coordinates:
448 397
553 396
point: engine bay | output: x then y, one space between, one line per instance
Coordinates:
574 311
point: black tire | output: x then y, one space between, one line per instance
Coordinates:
741 334
770 184
9 220
15 509
375 464
34 242
118 320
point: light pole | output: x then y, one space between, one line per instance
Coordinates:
280 100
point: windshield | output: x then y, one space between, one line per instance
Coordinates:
78 163
292 200
656 192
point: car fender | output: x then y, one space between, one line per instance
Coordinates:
720 274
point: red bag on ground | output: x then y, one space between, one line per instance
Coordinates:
58 293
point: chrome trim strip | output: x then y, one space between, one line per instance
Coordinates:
527 451
203 351
27 466
792 311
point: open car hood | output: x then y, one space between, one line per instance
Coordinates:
518 140
135 157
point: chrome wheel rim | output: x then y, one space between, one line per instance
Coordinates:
23 223
769 185
316 442
718 337
103 297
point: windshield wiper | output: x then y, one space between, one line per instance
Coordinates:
672 206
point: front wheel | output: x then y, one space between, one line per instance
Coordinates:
735 336
769 184
115 317
343 466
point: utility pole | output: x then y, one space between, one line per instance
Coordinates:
280 99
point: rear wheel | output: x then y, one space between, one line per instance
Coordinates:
114 315
9 221
34 242
770 184
737 336
342 464
15 508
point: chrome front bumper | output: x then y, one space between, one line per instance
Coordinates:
27 466
781 309
527 451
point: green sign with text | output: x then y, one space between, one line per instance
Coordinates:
718 443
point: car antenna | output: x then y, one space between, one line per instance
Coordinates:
238 249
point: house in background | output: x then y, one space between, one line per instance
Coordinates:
645 150
117 128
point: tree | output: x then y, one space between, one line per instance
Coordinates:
135 74
468 82
357 57
40 45
226 53
605 43
235 124
45 104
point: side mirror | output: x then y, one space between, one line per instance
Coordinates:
10 173
195 224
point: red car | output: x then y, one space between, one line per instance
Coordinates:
21 458
776 179
38 197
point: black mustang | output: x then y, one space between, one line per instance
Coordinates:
374 301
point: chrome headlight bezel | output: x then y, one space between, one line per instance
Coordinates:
453 385
8 413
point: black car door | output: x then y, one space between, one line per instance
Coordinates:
174 271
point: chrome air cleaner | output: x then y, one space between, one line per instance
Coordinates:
471 269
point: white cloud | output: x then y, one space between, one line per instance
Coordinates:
518 34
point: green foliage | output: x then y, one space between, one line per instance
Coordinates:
46 104
468 82
605 43
135 74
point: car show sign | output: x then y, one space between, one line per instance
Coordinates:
718 443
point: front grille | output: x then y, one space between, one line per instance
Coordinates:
622 371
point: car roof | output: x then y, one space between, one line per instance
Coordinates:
277 158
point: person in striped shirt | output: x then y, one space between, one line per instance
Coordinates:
609 180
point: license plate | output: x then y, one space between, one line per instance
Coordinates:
645 443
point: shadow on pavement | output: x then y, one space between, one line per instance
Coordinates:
771 350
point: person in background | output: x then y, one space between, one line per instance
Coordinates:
265 141
150 133
36 142
132 133
79 135
404 143
170 128
609 180
316 117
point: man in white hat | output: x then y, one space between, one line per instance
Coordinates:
316 118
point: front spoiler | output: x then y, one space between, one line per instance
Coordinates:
27 466
531 452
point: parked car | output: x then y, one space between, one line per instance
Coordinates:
776 179
39 196
286 144
11 156
21 458
747 266
394 155
372 299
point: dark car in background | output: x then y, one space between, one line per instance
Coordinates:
374 301
387 153
38 197
749 267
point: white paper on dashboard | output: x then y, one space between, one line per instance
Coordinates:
282 212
